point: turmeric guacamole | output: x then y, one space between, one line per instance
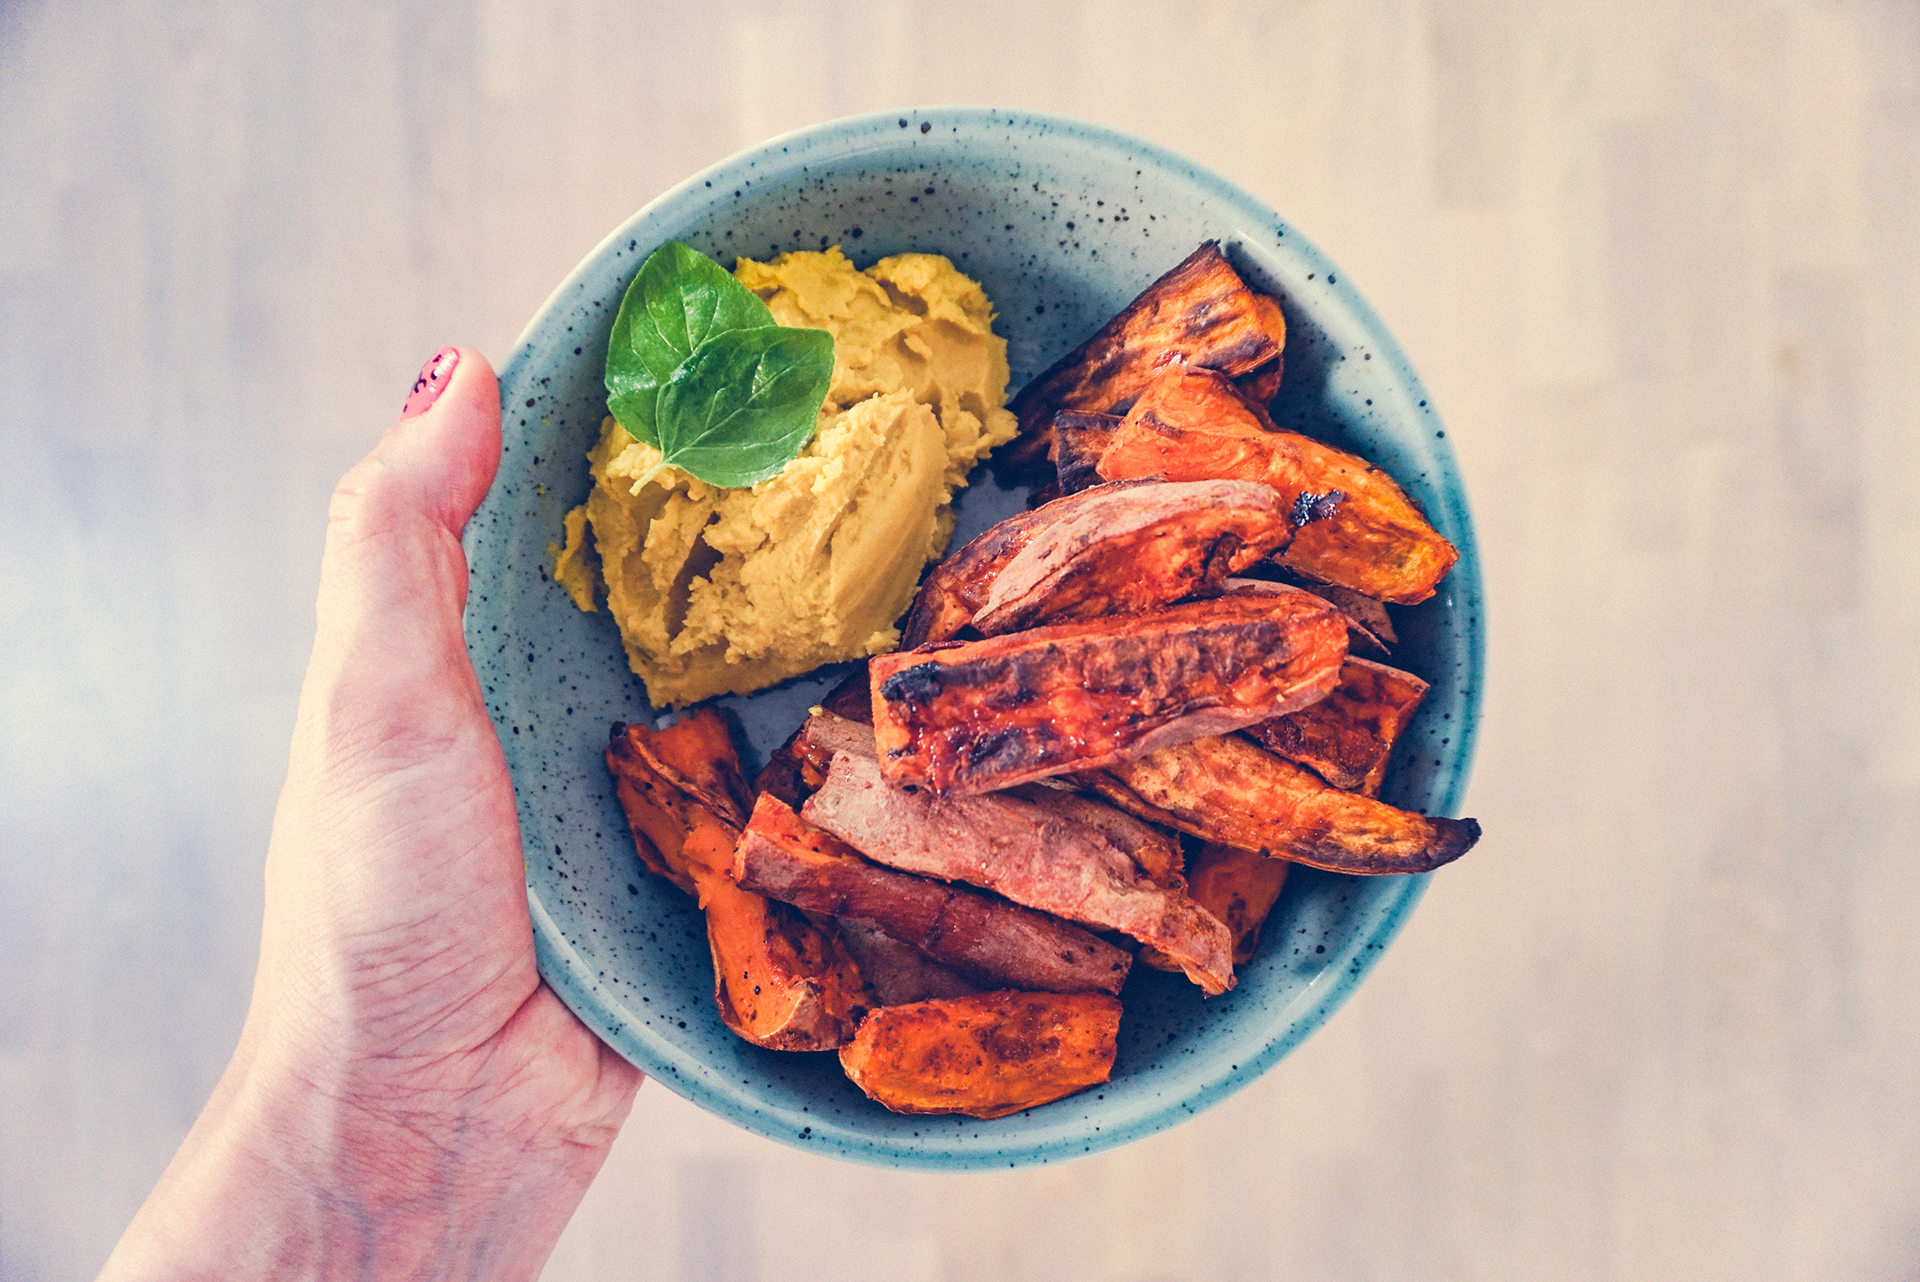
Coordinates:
720 591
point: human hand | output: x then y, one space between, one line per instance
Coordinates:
407 1098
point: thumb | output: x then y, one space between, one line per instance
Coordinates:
437 462
393 580
394 526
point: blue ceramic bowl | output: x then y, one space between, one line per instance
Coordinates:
1064 223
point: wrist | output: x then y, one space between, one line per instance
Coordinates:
290 1175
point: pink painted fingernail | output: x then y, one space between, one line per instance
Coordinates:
434 377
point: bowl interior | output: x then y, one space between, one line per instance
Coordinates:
1063 223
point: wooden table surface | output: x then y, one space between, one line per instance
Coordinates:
1658 265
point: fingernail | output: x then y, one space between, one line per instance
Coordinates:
434 377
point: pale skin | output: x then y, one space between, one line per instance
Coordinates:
407 1099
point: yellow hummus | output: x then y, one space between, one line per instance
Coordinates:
721 591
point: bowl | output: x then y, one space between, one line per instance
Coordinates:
1063 222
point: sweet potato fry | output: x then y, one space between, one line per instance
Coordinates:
1365 615
1230 790
779 981
790 777
799 766
1028 852
1131 550
659 814
1079 439
1263 384
1156 854
986 1056
899 972
974 716
990 940
1240 887
695 754
1357 528
1347 737
1045 493
1201 313
1369 630
954 591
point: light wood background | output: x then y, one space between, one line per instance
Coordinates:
1658 264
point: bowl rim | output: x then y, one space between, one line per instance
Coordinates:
572 976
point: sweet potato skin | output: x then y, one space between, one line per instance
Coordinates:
1156 854
1366 617
976 716
696 755
790 774
990 940
1079 439
779 980
1191 423
659 815
1263 384
986 1056
1348 737
1369 630
1240 887
1126 551
955 589
899 972
1201 313
1026 851
1230 790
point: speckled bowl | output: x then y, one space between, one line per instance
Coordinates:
1064 223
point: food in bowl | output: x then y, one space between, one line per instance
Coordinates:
729 589
1072 702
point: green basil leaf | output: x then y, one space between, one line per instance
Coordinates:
678 300
634 406
745 403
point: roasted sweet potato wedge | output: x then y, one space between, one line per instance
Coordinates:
975 716
1347 737
953 592
1201 313
696 755
791 778
1154 852
659 814
1026 851
986 1056
1240 887
1126 551
779 980
1230 790
1079 439
1369 629
1365 616
899 972
1263 384
999 944
1357 528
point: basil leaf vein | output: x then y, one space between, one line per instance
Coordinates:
745 403
677 301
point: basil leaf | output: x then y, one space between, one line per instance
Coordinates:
745 403
678 300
